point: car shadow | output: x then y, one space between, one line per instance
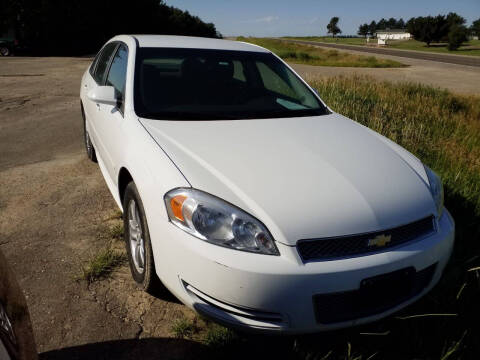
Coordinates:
149 348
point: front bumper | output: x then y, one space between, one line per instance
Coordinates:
276 293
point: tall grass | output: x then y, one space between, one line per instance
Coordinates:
311 55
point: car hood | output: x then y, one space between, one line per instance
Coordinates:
306 177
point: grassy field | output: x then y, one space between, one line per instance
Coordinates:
310 55
471 48
443 130
329 39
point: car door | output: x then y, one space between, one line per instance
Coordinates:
98 73
110 122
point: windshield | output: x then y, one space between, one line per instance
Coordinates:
198 84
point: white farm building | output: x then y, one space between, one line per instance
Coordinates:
395 34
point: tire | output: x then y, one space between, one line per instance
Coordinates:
86 139
137 241
4 51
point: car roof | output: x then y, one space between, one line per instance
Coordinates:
173 41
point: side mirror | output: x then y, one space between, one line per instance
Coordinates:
103 95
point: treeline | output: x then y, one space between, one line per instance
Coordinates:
450 28
382 24
76 27
441 28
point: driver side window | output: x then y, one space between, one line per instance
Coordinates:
117 75
102 63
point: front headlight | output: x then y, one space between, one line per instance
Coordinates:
216 221
436 188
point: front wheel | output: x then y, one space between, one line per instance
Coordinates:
137 240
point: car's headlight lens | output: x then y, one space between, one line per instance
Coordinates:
436 188
214 220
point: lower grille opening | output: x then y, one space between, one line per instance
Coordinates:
264 318
376 295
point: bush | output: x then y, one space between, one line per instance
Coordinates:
456 36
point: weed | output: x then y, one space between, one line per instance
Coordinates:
102 265
115 232
218 336
184 328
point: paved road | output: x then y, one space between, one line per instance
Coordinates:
445 58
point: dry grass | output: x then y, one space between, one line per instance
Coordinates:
311 55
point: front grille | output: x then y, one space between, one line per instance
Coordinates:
376 295
330 248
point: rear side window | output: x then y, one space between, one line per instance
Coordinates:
103 61
118 72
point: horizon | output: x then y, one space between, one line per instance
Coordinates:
310 17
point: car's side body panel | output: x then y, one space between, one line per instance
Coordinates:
129 145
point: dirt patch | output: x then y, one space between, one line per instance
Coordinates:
55 207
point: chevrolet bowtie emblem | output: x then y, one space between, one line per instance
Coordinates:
380 240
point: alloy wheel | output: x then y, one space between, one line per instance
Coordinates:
135 233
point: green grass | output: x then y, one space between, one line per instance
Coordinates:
218 336
471 48
443 130
115 232
311 55
184 328
102 265
329 39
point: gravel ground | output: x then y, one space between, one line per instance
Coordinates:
54 206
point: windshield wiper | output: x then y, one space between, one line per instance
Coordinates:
187 115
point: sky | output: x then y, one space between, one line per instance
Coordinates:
310 17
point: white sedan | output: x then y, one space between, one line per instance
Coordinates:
252 201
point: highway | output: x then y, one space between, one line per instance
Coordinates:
421 55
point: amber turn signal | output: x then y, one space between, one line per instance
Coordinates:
176 204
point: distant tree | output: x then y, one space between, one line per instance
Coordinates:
391 23
475 28
332 26
456 36
400 24
363 30
382 24
372 28
428 29
455 19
